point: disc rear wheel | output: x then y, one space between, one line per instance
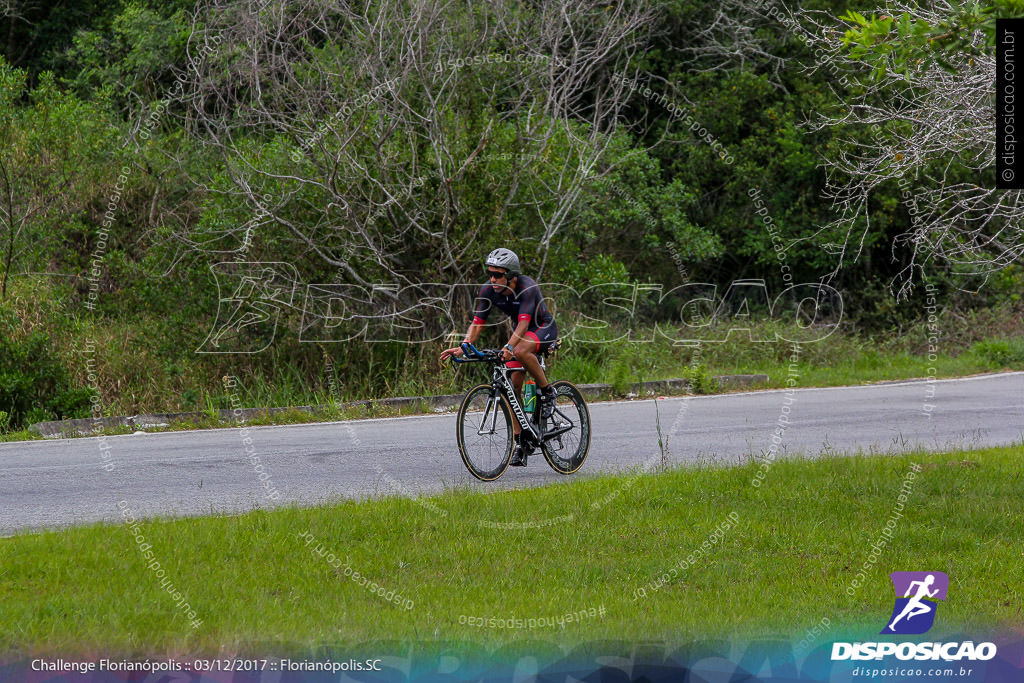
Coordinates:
568 429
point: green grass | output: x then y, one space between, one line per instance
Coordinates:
841 359
328 412
258 584
20 435
847 369
868 366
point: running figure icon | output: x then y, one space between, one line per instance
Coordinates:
917 594
915 606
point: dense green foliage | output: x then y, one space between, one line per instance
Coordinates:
34 383
915 42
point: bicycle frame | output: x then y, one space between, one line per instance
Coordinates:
536 431
500 380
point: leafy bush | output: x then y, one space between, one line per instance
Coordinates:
1000 353
701 381
621 376
34 385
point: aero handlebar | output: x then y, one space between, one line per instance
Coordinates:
471 354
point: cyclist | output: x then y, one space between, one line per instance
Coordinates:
519 297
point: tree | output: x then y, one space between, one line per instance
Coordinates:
51 157
919 118
132 62
397 141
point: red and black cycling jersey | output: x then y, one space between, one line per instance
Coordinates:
525 303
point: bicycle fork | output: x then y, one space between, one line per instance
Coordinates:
490 412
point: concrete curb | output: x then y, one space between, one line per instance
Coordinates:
57 429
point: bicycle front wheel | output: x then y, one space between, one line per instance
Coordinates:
484 432
567 432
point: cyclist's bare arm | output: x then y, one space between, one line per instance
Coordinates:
472 334
518 335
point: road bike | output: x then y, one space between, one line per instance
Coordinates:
484 421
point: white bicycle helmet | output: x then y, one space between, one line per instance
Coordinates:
504 258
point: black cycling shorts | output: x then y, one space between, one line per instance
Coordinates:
544 337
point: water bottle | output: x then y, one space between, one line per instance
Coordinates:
530 395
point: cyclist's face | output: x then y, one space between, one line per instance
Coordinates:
498 277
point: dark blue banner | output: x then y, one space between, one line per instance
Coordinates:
959 657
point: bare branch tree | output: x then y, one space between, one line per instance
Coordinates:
376 121
738 33
930 129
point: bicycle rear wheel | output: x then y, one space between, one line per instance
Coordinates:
484 432
567 432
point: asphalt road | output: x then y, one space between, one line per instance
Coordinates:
75 481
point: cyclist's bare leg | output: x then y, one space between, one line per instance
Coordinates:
526 354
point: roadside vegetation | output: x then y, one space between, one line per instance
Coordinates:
130 214
671 556
57 376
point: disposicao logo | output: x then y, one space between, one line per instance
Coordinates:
913 613
916 595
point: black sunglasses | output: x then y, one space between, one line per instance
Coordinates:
495 275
